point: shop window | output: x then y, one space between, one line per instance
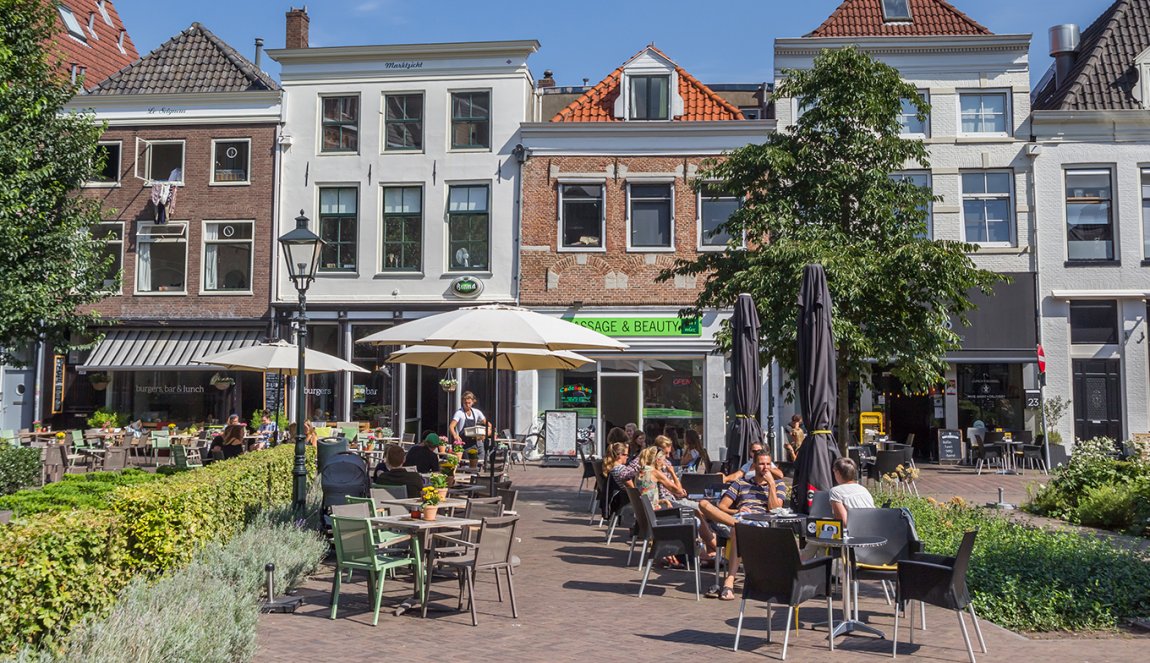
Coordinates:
371 394
470 120
650 97
112 233
322 390
1094 323
468 228
581 216
161 258
1089 215
983 113
231 161
338 227
650 217
228 256
991 394
340 128
986 208
403 122
402 229
672 395
715 208
107 172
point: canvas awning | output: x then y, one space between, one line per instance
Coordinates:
165 349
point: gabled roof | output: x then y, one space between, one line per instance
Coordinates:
1103 73
864 18
194 61
97 46
700 103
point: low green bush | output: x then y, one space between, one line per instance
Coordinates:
60 567
74 491
1031 579
19 468
1109 506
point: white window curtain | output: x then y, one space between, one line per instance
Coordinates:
211 256
144 264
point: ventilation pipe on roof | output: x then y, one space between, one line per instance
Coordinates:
259 50
1064 41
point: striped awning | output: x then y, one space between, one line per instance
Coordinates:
165 349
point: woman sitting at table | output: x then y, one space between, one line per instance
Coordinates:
232 439
694 457
466 417
616 468
847 494
653 480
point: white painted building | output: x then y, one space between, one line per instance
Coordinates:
1092 191
403 157
977 135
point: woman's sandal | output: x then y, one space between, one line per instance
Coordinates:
727 594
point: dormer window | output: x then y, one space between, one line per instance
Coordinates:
650 97
72 24
895 10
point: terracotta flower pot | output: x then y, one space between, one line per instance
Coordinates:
442 493
429 512
473 462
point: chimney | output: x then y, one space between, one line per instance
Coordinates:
586 82
259 50
1063 48
297 22
548 80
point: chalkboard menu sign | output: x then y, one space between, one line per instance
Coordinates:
949 446
274 384
57 384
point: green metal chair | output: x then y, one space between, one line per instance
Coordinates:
181 460
160 441
355 548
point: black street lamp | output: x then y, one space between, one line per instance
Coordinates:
301 249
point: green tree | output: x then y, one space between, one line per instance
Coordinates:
50 263
823 192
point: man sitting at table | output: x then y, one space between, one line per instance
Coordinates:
759 495
747 471
390 472
847 494
423 456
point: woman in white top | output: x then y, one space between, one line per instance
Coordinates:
466 417
847 494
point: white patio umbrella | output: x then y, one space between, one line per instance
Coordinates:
279 357
514 359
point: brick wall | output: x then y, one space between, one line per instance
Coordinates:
196 202
614 276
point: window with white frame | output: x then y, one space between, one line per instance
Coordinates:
1146 213
650 216
228 256
896 10
1089 215
581 216
107 171
403 122
71 23
908 119
468 228
340 124
161 257
470 120
921 180
715 207
402 233
986 208
231 161
112 234
983 112
161 160
338 228
650 97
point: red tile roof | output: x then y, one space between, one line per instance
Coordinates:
99 53
700 103
864 18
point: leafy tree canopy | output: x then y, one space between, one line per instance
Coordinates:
826 191
50 263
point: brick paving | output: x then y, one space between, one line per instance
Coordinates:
577 602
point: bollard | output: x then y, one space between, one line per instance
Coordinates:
270 569
282 604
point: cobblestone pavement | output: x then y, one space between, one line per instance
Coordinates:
577 602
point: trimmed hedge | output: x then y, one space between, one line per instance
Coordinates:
1031 579
75 491
19 468
59 567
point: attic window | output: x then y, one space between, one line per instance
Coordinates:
120 42
649 97
896 10
72 24
102 5
92 25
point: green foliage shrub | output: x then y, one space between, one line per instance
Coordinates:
104 416
1109 506
1032 579
75 491
19 468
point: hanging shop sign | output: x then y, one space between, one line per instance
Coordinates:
640 326
467 287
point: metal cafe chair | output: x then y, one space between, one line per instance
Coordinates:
491 551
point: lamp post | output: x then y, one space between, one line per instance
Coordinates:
301 249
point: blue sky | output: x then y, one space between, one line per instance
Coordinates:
724 42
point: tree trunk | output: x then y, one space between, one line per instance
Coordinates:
843 423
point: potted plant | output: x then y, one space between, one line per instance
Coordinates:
431 499
99 381
60 437
449 384
447 466
438 481
457 449
106 419
473 457
171 429
38 426
222 382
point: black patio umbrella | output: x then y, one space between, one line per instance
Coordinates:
746 381
818 388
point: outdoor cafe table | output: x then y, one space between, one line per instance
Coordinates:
421 531
850 622
412 502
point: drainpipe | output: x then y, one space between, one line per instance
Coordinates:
1031 192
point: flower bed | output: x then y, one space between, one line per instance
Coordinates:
60 567
1031 579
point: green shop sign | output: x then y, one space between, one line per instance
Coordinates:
641 326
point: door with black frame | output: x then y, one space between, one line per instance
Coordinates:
1097 399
